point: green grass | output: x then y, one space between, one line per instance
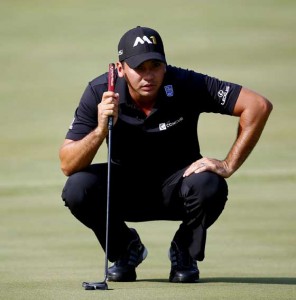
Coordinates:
49 51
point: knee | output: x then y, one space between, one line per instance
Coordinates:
206 186
78 190
214 186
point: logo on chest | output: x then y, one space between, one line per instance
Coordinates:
165 126
169 90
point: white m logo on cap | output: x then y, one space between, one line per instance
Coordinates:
143 40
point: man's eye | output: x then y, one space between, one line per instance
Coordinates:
156 64
139 68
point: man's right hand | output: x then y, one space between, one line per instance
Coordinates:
107 107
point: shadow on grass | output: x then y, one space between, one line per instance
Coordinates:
256 280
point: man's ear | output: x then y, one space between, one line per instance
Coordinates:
120 68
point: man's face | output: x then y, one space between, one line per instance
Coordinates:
144 81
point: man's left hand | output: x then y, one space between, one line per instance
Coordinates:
219 167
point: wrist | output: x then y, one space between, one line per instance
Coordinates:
100 133
230 168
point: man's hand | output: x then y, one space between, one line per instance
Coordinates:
253 111
209 164
107 107
76 155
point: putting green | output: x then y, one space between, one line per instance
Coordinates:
49 51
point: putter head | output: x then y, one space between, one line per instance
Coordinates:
95 285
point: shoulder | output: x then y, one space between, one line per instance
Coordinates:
100 81
177 73
98 86
185 79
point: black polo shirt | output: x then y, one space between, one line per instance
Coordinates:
166 140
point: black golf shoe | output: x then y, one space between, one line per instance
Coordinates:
183 267
124 269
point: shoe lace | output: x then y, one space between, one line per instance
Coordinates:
132 255
181 259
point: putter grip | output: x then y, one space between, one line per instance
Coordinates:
111 77
111 86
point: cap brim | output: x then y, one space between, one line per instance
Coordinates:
136 60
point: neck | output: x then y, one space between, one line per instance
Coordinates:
145 105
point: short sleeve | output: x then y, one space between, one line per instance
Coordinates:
203 93
85 117
223 95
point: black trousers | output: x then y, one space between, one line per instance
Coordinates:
196 201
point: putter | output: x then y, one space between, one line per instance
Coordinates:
103 285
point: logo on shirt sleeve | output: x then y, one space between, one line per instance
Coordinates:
71 125
223 94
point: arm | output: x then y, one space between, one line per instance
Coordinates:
253 111
76 155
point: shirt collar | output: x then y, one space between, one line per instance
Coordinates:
166 90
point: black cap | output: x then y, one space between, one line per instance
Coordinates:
140 44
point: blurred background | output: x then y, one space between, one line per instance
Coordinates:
50 50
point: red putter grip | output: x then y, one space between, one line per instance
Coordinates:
111 87
111 77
